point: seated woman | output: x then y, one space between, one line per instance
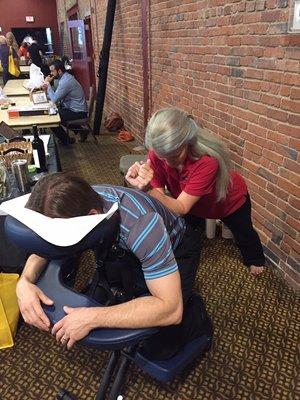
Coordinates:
194 166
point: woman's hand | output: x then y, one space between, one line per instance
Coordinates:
74 326
139 175
29 299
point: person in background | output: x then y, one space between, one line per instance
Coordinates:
70 95
11 41
36 55
23 51
194 166
4 54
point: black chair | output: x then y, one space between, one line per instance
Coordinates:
83 124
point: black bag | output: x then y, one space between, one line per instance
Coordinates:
118 277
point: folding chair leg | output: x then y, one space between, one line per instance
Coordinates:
119 369
114 358
92 133
119 378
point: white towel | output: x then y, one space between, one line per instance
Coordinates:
58 231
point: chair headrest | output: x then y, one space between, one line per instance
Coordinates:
104 233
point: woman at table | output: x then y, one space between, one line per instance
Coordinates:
4 54
35 52
194 166
23 51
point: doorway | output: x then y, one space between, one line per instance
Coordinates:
82 53
43 36
90 50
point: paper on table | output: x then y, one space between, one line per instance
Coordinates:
45 139
58 231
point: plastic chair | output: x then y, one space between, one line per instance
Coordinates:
84 123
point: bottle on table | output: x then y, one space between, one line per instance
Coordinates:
39 155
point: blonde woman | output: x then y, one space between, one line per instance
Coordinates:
11 41
194 166
4 54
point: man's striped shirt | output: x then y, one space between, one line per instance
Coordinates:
147 228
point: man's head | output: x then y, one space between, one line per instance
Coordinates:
60 195
57 68
3 40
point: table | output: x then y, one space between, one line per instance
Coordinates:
14 87
42 121
12 258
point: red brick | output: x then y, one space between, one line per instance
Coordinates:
290 176
271 100
295 93
291 105
272 156
291 165
294 119
289 130
277 137
254 73
288 187
253 148
295 245
278 114
295 143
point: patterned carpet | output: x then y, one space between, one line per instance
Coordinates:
254 355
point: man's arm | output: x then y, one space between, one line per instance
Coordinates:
30 296
164 307
60 93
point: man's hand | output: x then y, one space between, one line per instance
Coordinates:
74 326
29 299
48 79
139 175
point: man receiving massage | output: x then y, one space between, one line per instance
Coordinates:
167 250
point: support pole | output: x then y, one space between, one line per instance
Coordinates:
103 64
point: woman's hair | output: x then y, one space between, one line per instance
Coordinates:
25 45
11 40
60 195
169 129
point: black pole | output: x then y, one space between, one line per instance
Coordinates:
103 64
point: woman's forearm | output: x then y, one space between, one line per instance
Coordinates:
171 203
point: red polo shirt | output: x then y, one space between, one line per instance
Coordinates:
198 178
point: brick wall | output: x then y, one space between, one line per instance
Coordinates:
235 67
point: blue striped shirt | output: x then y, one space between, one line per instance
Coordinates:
147 228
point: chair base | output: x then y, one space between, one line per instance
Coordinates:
165 370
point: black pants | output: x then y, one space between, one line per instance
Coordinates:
195 321
66 116
245 235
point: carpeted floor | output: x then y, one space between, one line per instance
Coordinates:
254 355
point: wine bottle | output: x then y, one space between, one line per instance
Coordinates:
39 155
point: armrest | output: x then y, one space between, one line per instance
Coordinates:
109 339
